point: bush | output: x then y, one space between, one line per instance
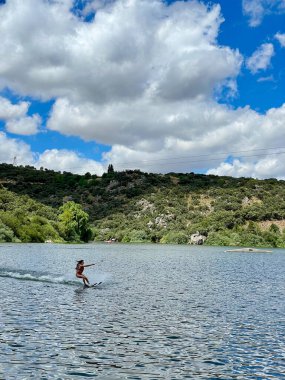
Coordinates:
224 238
6 234
173 237
136 236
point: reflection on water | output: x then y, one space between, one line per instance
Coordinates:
162 312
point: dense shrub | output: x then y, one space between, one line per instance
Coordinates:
6 234
224 208
175 238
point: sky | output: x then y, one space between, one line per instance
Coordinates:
160 86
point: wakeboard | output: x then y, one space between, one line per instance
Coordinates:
93 285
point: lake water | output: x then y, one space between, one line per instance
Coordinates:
162 312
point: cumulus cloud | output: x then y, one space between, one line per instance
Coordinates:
261 58
27 125
281 38
233 134
136 124
14 148
66 160
90 7
256 10
148 66
268 167
16 118
142 77
16 151
132 49
267 160
12 111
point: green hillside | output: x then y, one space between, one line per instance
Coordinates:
132 206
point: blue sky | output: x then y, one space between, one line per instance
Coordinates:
144 84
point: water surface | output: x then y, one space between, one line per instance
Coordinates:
162 312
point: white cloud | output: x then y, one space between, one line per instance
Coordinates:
150 65
12 111
132 48
66 160
16 119
11 148
281 38
262 134
269 78
16 151
268 167
261 58
142 77
92 6
241 133
28 125
256 10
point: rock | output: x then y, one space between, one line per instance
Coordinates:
150 224
112 185
163 219
146 206
160 221
197 239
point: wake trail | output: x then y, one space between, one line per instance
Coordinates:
34 276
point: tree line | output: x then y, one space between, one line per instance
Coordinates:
132 206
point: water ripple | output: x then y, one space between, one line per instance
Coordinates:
219 317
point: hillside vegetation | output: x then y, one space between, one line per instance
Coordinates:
132 206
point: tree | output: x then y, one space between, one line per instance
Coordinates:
110 169
74 222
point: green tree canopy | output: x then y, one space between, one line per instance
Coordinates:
110 169
74 222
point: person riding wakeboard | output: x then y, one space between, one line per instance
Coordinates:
79 271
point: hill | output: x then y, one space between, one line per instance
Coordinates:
132 206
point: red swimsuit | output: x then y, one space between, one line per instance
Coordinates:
79 270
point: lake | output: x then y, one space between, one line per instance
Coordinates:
161 312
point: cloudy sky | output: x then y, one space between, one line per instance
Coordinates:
160 86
